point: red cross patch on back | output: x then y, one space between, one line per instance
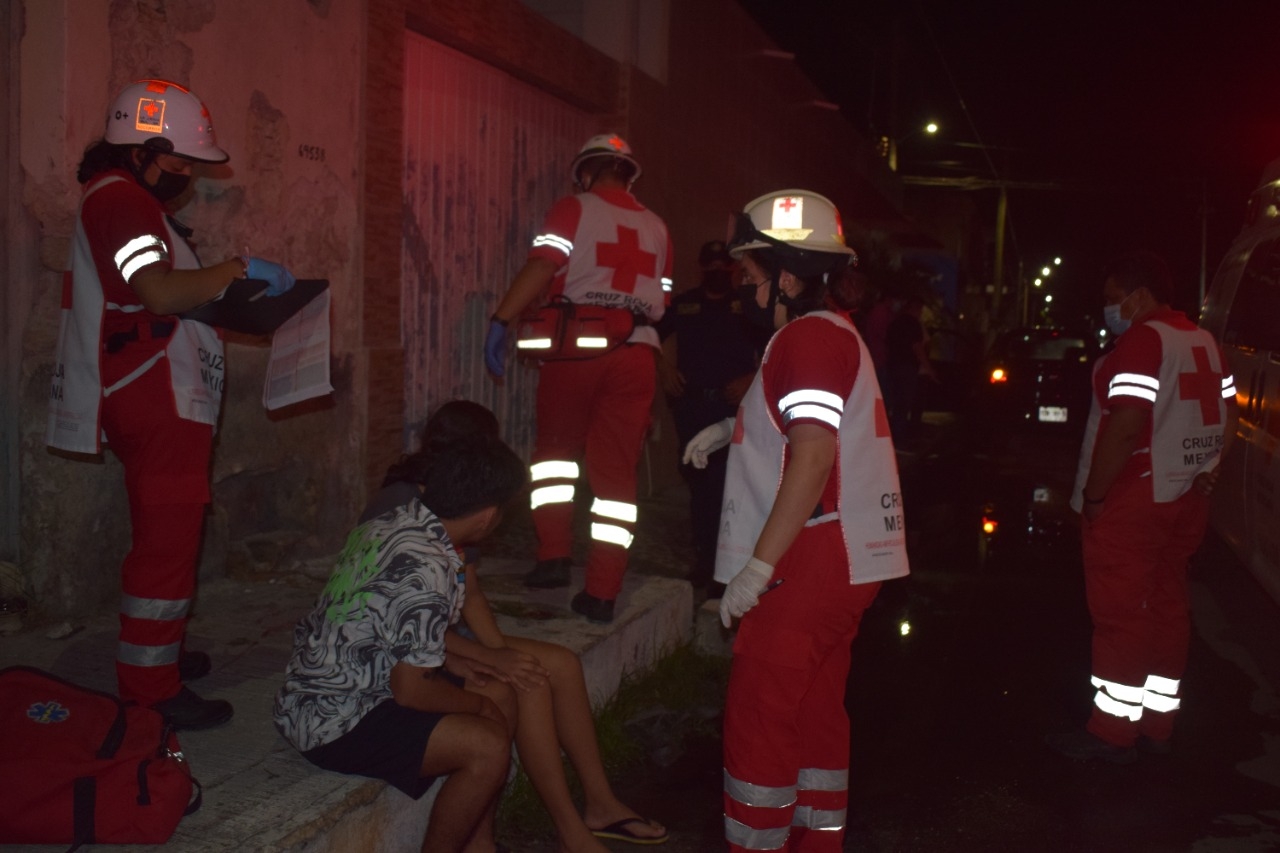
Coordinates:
627 259
1204 385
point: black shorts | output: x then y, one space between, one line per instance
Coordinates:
388 743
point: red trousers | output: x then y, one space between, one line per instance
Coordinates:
166 473
596 411
1135 563
786 731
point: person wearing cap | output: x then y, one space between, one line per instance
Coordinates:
810 528
131 370
717 350
599 247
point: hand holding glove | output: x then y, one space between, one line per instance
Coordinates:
495 348
743 592
707 442
279 280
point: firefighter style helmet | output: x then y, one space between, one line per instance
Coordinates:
794 223
164 117
605 145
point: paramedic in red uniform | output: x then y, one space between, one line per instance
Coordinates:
810 527
1163 413
131 372
598 247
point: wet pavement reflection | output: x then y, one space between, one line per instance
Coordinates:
949 716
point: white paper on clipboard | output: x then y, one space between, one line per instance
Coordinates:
299 365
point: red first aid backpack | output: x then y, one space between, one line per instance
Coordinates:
78 766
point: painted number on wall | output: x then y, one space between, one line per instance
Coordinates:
311 152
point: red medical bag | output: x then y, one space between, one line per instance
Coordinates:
563 330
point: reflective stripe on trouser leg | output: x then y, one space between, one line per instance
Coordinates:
785 720
563 406
766 806
166 462
1118 700
616 429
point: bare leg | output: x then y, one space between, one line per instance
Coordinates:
475 754
564 721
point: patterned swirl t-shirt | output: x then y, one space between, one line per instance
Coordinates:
396 588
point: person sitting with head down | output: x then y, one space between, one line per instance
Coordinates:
371 688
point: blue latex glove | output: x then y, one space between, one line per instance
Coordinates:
495 348
278 279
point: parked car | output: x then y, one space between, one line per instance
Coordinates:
1038 376
1242 310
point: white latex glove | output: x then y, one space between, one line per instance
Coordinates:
743 592
708 441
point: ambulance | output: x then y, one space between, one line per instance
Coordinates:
1242 310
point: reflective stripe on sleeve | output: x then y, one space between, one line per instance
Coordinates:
1133 385
135 655
138 253
159 609
811 403
758 796
736 832
811 818
1228 387
667 284
555 241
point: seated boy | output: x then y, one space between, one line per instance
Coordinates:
369 689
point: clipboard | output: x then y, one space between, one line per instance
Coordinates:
245 307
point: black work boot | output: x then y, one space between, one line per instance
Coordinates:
187 711
549 574
598 610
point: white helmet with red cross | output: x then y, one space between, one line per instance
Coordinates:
162 116
798 219
605 145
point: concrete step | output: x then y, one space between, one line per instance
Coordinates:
259 794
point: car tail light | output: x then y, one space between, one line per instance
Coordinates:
989 525
998 375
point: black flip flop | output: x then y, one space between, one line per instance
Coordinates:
617 831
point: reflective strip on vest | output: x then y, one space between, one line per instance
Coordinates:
555 241
811 403
135 655
814 779
611 533
159 609
140 252
553 469
736 832
1161 694
125 309
550 495
758 796
811 818
1228 387
617 510
1118 700
1133 385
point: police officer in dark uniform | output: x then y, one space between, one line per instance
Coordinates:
717 351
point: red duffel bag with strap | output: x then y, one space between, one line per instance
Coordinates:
78 766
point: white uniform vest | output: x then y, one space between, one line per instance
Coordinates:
608 235
1183 441
870 500
196 363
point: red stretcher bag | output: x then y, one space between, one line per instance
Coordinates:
562 330
78 766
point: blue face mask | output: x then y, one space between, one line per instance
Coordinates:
1111 315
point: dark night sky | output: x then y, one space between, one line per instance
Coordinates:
1136 109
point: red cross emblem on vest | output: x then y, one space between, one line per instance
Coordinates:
1203 384
627 260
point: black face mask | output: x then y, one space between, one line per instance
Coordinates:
717 282
169 186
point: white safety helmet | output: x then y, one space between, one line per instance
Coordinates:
799 219
163 116
605 145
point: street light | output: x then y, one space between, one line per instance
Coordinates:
889 145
